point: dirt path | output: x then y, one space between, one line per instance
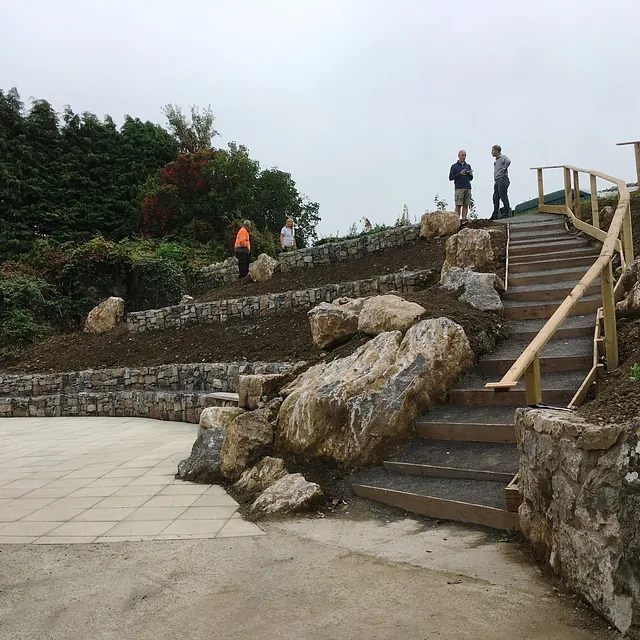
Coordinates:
307 579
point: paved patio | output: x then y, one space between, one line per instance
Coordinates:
83 480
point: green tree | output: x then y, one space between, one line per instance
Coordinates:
192 134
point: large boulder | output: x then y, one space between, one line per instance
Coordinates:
606 216
106 316
468 249
288 494
436 224
334 323
257 388
263 268
218 417
350 410
203 465
631 304
388 313
629 289
248 438
480 290
255 480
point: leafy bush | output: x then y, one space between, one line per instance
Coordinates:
155 282
24 309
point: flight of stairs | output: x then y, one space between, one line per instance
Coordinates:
462 464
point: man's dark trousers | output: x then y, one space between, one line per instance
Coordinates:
243 263
500 193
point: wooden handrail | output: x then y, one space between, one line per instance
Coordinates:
528 364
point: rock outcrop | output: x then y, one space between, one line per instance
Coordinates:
255 480
581 507
255 389
468 249
218 417
263 268
288 494
437 224
248 438
387 313
351 409
106 316
203 465
334 323
480 290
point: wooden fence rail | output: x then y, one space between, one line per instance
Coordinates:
617 238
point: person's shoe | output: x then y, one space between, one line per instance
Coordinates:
463 223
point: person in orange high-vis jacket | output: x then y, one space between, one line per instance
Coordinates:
243 248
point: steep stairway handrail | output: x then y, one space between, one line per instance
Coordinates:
617 238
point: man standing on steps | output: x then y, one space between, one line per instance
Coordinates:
242 248
462 174
501 183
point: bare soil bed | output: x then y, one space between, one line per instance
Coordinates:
275 339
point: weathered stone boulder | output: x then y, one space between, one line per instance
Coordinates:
263 268
255 480
631 304
106 316
334 323
248 438
288 494
629 289
203 465
350 410
606 216
435 224
581 508
480 290
468 249
388 313
257 388
218 417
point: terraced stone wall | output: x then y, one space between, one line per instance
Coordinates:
348 249
275 304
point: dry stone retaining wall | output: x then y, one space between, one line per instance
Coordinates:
331 253
274 304
168 392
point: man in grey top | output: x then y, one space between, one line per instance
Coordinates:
501 184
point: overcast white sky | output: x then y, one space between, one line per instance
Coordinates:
364 102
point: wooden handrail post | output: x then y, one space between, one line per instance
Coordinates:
609 310
595 213
567 188
532 385
627 236
576 195
540 191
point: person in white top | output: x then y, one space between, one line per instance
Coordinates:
288 236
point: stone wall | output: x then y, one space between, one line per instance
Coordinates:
219 274
348 249
581 490
275 304
168 392
218 376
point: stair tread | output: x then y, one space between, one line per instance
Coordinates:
565 380
509 304
541 237
544 273
463 414
561 348
481 492
572 322
558 256
575 243
548 286
478 456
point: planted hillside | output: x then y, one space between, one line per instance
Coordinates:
89 210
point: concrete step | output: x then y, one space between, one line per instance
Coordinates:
540 238
584 256
545 309
546 292
549 276
537 248
518 232
572 327
557 389
569 354
478 502
457 459
468 424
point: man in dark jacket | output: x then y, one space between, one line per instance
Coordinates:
462 174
